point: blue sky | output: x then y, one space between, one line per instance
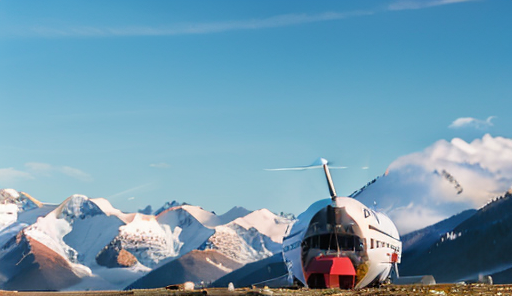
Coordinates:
144 102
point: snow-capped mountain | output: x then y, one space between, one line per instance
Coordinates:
190 232
22 200
95 245
146 239
241 235
237 243
253 237
167 205
12 203
446 178
72 234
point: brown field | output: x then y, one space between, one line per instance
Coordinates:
441 289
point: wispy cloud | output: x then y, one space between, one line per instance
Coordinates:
420 4
130 190
48 170
472 122
197 28
160 165
75 173
276 21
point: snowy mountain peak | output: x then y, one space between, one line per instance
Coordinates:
234 213
78 207
9 194
266 223
208 219
23 200
239 244
166 206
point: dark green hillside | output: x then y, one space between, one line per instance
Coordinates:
478 245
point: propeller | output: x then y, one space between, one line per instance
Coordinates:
317 164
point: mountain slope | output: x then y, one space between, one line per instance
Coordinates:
196 266
421 239
147 240
478 245
44 270
271 272
267 223
28 264
190 232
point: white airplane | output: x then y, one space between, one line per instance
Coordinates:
340 242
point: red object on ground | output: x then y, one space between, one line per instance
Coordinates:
331 272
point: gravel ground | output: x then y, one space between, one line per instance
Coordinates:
442 289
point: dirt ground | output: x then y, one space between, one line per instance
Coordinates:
442 289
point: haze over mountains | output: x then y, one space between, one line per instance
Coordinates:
85 243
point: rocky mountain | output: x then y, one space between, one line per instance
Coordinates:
84 243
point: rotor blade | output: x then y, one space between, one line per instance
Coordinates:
338 167
301 168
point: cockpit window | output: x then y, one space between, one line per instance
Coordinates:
330 243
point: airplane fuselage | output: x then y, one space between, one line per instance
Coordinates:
345 244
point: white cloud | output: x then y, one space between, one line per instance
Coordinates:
160 165
10 176
48 170
75 173
39 168
472 122
197 28
416 192
412 217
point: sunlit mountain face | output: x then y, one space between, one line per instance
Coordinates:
86 243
